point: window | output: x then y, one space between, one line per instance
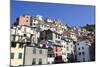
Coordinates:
34 61
20 45
13 44
20 56
19 28
34 50
27 16
24 35
40 61
40 51
26 20
71 46
67 48
12 55
58 36
48 62
82 47
78 48
50 55
83 53
78 44
79 53
68 54
83 59
34 24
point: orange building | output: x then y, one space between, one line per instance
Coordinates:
24 20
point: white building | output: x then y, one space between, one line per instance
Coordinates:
64 50
35 55
20 37
67 49
82 51
17 48
48 44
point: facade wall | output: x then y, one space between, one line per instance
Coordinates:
82 51
24 20
70 50
16 61
64 54
70 46
29 55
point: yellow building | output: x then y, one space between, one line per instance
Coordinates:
20 37
17 55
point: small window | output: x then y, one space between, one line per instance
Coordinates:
12 55
20 56
13 44
82 47
50 55
79 53
83 53
83 59
58 36
27 16
68 54
71 46
48 62
24 35
34 50
26 20
19 28
33 23
20 45
67 48
40 51
34 61
40 61
78 48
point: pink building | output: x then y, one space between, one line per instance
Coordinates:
58 53
24 20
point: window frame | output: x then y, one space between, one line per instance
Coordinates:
12 56
40 61
20 56
34 61
40 51
34 50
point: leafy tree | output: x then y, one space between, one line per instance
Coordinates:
89 27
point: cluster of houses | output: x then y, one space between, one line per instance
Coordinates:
36 40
